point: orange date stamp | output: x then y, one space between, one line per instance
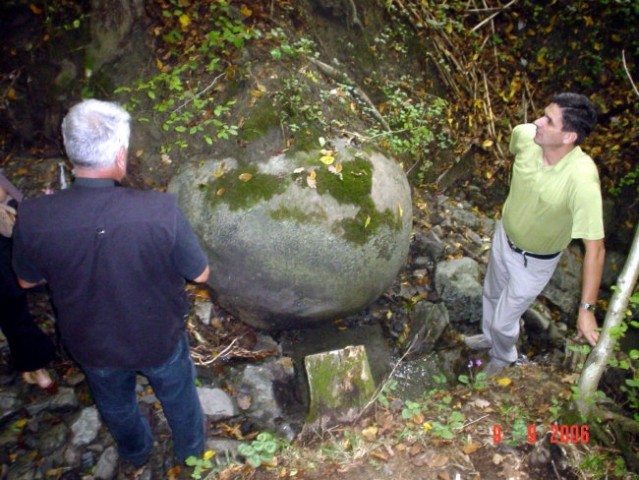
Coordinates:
561 434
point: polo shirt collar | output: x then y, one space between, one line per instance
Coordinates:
94 182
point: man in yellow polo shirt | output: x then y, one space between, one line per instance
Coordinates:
554 197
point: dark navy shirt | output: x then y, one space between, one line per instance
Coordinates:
116 260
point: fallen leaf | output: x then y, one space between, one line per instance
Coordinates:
480 403
380 455
430 458
327 159
35 10
174 473
571 378
246 11
370 433
504 381
471 448
245 177
220 192
310 179
185 21
497 459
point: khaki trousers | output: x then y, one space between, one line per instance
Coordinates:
510 287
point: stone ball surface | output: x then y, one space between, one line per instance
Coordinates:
301 238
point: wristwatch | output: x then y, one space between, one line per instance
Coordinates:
591 307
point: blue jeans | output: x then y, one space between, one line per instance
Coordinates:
173 382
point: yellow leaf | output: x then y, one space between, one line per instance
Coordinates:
244 10
159 64
220 170
487 143
208 454
220 192
400 211
368 220
11 94
427 426
35 10
185 21
504 381
370 433
21 423
245 177
327 159
256 93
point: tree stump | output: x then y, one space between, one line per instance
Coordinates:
340 384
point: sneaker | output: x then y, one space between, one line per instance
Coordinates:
494 367
477 342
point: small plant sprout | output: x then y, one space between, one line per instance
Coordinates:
474 380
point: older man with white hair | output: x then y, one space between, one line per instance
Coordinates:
116 261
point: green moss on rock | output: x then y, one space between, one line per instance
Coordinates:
339 381
263 117
240 192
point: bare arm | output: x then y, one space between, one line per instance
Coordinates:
202 277
25 284
591 280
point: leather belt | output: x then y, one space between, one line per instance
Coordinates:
525 254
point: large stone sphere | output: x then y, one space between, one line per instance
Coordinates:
300 238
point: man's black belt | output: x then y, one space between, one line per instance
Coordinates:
525 254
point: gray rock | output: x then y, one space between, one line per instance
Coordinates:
216 403
260 383
429 320
53 439
288 249
10 402
63 401
465 217
107 464
613 265
86 427
458 284
564 288
224 448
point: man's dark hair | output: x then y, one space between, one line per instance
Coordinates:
578 114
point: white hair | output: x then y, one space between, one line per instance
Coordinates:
93 131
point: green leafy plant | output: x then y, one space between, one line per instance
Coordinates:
447 429
200 464
411 411
262 450
417 127
180 94
475 380
388 388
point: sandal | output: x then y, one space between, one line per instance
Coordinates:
41 378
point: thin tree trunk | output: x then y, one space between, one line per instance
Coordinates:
598 359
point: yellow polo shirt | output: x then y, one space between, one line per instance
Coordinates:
548 206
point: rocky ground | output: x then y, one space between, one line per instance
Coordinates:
59 434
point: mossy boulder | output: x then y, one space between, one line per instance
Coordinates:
299 238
